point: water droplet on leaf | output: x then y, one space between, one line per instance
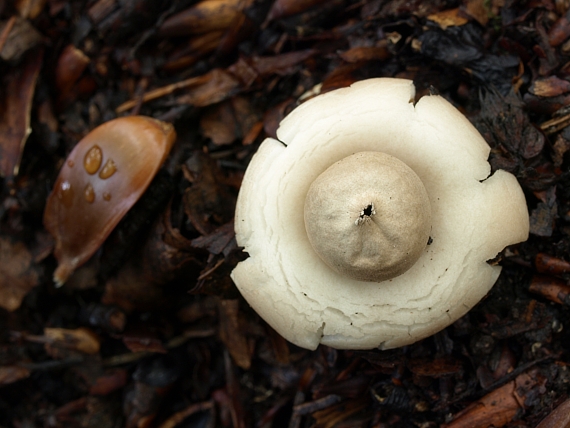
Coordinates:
89 193
93 159
65 193
108 170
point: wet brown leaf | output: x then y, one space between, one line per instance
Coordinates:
15 113
18 274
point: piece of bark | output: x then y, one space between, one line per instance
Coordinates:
498 407
553 289
545 263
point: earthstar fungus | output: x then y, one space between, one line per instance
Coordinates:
101 179
306 243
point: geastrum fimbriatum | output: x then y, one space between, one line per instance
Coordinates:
370 221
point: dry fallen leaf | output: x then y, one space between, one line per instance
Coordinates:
81 339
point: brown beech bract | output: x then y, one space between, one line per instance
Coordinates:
101 179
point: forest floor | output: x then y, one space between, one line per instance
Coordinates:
151 331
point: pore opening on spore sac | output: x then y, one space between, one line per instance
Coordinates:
366 213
